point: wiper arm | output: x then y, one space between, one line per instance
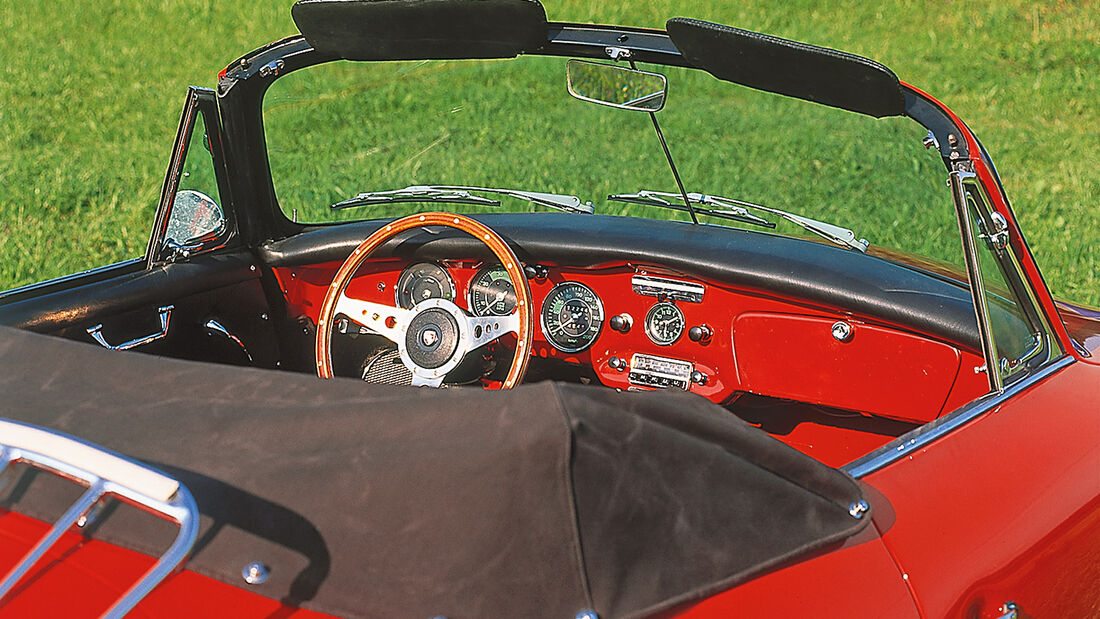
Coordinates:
461 194
836 234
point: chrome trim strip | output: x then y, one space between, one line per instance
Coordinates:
679 290
64 279
920 437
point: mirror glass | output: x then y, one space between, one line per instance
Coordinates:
627 89
195 216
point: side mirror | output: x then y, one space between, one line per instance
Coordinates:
627 89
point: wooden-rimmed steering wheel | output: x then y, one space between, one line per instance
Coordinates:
435 335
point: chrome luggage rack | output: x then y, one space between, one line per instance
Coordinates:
104 473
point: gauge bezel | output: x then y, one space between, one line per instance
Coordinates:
649 331
470 289
542 318
397 286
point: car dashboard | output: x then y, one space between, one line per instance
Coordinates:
637 326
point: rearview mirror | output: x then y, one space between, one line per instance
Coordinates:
627 89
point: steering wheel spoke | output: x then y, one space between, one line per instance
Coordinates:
485 329
385 320
426 381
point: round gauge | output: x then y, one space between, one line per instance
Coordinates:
423 281
492 293
664 323
572 316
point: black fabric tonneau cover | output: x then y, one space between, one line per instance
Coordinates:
367 500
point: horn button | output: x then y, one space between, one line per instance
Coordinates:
432 338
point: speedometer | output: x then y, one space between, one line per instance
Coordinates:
423 281
492 293
572 316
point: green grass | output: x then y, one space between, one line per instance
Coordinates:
90 95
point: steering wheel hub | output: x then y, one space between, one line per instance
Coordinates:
432 338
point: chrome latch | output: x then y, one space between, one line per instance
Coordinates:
618 53
998 238
272 68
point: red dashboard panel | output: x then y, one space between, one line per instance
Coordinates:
758 343
853 372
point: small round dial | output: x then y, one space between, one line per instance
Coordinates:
492 293
664 324
572 316
423 281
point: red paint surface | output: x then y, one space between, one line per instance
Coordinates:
1006 507
83 578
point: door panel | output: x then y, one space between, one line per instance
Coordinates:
1005 508
225 288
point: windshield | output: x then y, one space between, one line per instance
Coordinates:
338 130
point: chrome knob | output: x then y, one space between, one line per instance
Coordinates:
700 333
699 378
621 322
616 363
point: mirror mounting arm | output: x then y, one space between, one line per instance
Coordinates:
668 156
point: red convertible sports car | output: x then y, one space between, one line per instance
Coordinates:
599 345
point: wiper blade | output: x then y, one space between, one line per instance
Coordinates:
461 194
841 236
414 193
659 198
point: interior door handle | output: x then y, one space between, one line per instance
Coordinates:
165 317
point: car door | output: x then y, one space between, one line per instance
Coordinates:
195 294
995 508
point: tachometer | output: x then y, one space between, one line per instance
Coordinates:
664 324
571 317
492 293
423 281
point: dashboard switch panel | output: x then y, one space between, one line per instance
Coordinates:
660 372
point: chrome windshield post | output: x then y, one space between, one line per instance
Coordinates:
974 273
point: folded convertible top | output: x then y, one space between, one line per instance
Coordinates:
369 500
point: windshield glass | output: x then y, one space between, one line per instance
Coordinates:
337 130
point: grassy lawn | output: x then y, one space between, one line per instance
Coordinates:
90 95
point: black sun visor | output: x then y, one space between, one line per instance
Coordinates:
790 68
421 29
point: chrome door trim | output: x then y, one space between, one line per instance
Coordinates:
920 437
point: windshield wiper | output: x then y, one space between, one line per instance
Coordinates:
461 194
735 210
